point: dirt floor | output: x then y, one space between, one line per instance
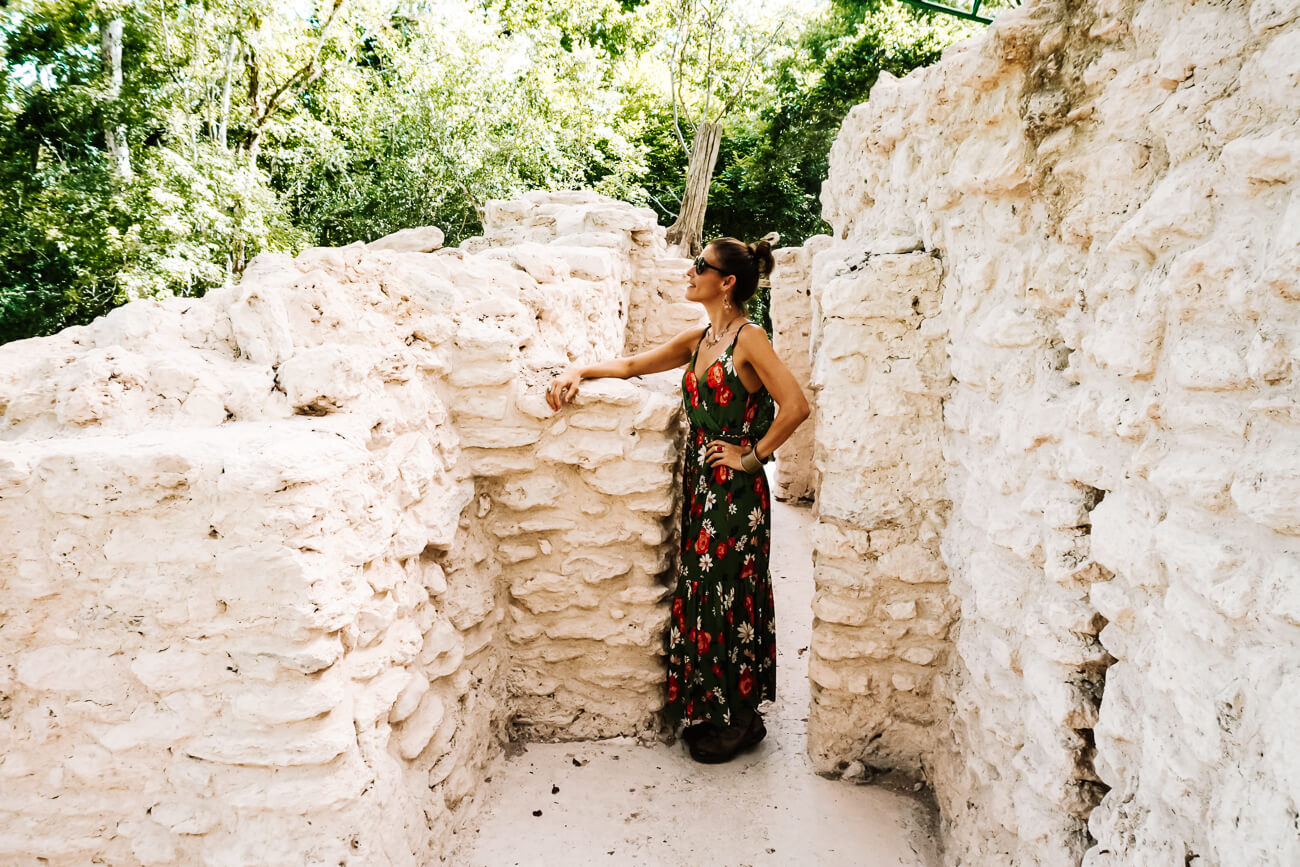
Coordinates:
618 802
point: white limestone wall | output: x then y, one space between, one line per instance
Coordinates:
576 220
281 568
791 309
881 612
1108 190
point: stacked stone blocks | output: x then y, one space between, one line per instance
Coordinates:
283 566
881 611
1110 188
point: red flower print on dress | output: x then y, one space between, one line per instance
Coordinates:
749 605
721 474
672 688
746 683
724 395
702 542
747 569
717 671
702 642
751 410
677 611
721 550
697 509
716 375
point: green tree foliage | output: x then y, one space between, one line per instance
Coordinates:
443 113
75 240
774 161
254 125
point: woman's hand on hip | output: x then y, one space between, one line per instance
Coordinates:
564 388
721 453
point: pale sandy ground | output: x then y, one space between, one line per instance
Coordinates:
618 802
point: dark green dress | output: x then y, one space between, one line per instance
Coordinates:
722 637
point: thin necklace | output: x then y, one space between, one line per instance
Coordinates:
718 336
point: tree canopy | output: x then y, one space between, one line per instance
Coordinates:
151 148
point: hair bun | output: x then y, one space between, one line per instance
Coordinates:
761 253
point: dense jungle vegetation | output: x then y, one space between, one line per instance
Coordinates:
151 148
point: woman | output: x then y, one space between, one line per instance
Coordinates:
722 637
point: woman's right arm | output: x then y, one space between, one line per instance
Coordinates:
674 353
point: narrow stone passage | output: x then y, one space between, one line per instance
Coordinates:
618 802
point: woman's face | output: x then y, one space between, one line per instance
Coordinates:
704 281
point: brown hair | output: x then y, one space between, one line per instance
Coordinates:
746 262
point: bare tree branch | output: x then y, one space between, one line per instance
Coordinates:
750 64
677 72
302 78
708 66
306 74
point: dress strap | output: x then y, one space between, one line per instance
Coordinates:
737 335
699 343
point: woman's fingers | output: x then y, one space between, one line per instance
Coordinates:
559 392
720 453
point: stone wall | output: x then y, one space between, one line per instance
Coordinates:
881 612
791 308
1094 206
281 567
571 223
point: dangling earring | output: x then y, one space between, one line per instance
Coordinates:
726 304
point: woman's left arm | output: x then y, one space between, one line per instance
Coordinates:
791 405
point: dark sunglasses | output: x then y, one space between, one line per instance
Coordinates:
701 264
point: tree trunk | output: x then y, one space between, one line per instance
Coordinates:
110 57
227 79
687 232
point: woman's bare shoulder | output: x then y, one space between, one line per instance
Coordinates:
752 338
689 336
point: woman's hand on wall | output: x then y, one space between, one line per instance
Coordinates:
564 388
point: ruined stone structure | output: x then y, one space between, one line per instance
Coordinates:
1055 341
281 568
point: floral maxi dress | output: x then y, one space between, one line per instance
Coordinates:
722 636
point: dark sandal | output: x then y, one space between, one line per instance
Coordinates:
694 734
728 742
